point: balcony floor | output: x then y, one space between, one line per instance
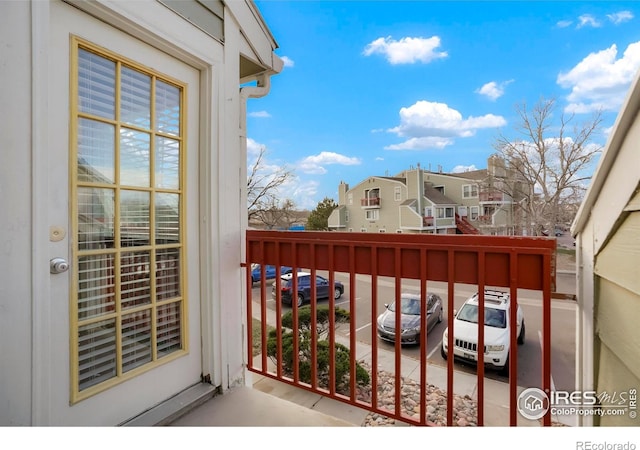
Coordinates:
272 403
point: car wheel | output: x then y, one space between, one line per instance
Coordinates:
440 316
443 353
337 293
300 299
521 335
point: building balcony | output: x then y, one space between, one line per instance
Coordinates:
374 270
428 221
491 196
370 202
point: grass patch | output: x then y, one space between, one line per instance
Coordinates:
256 334
566 251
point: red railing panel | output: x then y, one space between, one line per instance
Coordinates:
511 262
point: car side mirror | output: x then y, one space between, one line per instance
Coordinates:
455 312
386 305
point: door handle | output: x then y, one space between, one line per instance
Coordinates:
58 265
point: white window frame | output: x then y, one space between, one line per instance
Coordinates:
474 212
372 214
470 191
397 193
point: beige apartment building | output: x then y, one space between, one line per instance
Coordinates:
422 201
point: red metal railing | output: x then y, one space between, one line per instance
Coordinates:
502 261
491 196
370 201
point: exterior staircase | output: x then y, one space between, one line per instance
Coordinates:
464 227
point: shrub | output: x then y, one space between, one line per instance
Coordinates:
304 361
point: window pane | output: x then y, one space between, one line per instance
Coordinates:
136 340
167 273
135 98
167 163
135 280
134 158
96 149
95 218
168 329
96 286
167 108
96 353
96 85
134 218
167 218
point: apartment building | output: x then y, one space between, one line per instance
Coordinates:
422 201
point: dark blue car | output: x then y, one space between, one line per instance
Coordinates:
270 272
304 280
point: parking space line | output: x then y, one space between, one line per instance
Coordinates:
437 347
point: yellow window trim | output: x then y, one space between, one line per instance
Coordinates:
75 323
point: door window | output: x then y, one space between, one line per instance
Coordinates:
128 304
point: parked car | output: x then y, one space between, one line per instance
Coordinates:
409 318
497 330
323 289
270 272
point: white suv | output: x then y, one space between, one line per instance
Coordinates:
497 330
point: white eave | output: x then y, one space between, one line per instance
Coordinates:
629 113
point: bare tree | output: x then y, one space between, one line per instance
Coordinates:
550 163
278 215
262 186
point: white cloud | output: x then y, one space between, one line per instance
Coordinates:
301 192
620 17
421 143
260 114
435 125
379 158
607 131
461 169
564 23
253 149
493 90
600 81
314 164
407 50
288 62
587 20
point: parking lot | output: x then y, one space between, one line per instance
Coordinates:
563 320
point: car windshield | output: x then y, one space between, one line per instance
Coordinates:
409 306
492 317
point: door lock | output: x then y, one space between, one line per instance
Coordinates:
58 265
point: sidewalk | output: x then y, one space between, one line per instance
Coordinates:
262 405
273 403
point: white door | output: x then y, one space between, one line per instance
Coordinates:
123 211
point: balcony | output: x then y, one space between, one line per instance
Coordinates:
371 267
370 202
428 221
491 196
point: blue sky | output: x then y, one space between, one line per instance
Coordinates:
374 87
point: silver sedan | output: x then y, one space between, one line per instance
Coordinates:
409 318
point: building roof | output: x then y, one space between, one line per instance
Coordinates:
435 196
479 174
